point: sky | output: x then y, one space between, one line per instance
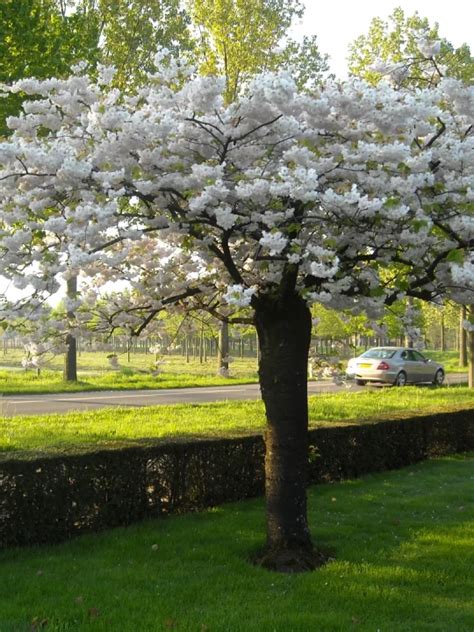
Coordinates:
337 23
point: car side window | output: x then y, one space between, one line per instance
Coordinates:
411 356
403 355
418 357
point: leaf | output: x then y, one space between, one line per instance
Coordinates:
455 256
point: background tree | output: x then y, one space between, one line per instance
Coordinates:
132 31
240 38
38 39
407 46
45 38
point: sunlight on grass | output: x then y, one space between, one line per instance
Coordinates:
52 382
402 562
115 427
95 373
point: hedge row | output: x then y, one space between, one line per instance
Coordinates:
52 499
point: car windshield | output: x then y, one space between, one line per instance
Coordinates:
380 354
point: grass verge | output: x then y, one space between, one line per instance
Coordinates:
51 382
116 427
402 561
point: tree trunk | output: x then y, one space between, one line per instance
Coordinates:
223 349
201 345
470 344
442 332
70 357
284 334
462 337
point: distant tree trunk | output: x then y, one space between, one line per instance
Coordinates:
70 357
470 345
201 345
284 333
442 332
462 337
223 348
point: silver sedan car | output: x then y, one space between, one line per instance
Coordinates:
394 365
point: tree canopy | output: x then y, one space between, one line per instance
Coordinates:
406 47
38 39
239 38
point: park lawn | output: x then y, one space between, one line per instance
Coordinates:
401 544
95 373
20 382
117 427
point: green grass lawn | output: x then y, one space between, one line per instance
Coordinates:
401 543
15 383
95 373
115 427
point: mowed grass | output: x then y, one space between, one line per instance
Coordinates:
117 427
16 383
402 562
95 374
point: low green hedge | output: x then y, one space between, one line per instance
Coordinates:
51 499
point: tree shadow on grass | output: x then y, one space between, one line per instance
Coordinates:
402 542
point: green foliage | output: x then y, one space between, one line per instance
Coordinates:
401 543
44 38
240 38
336 325
38 39
133 31
395 41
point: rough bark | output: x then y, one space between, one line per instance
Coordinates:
70 357
284 333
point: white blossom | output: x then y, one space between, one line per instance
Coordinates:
275 242
238 295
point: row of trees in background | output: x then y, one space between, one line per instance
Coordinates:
199 337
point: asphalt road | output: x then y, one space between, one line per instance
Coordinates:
66 402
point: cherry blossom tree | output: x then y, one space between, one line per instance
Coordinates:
353 196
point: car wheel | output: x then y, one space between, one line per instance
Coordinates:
361 382
401 379
439 377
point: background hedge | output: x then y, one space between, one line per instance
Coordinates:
50 499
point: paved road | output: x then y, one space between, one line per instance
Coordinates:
65 402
